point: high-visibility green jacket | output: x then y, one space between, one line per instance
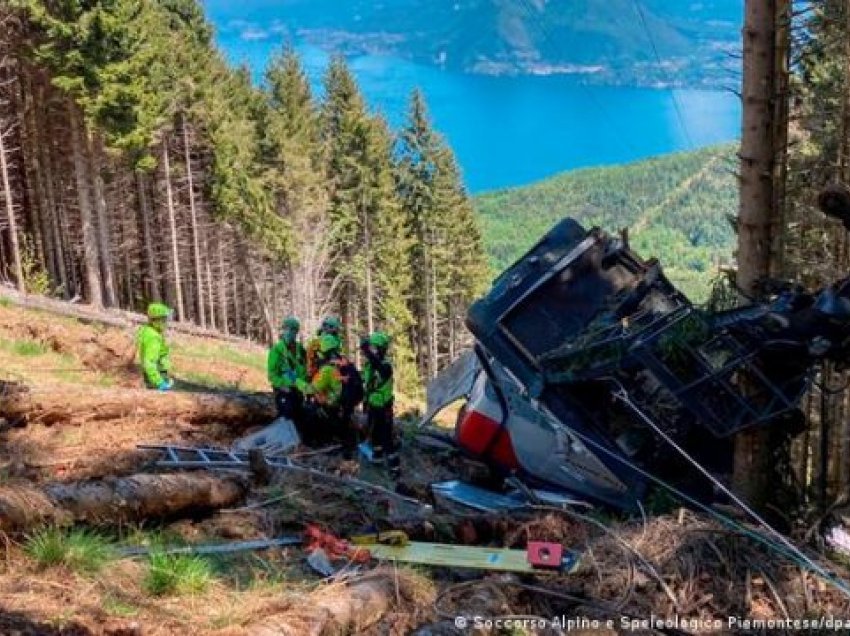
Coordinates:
326 385
286 364
153 355
378 383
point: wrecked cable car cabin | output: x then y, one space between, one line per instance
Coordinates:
595 376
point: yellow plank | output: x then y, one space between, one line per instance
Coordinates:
453 556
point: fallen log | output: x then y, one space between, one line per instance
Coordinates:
110 317
338 609
116 501
68 405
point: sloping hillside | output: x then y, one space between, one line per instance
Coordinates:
677 208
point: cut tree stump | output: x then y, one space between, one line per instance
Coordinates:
338 609
68 405
117 500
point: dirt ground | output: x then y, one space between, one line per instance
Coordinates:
678 564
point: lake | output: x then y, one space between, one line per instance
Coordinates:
512 130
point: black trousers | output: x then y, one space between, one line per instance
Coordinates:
320 425
381 422
289 403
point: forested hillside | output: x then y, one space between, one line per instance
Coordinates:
677 207
136 165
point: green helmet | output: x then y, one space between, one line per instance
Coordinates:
290 323
331 325
158 310
328 343
380 340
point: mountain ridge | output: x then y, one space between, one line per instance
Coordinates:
598 41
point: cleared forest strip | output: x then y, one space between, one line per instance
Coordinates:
651 214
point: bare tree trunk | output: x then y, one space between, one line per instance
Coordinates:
843 451
222 287
452 330
17 266
90 257
53 207
40 210
209 284
75 284
152 290
370 288
258 292
103 240
431 318
45 195
239 310
172 224
196 245
129 241
757 217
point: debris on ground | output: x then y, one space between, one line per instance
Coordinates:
230 531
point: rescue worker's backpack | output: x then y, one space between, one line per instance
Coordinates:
352 384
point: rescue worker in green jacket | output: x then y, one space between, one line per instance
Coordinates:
286 364
378 400
333 392
332 326
154 350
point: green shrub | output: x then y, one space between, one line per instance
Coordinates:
36 278
79 550
177 574
28 348
116 607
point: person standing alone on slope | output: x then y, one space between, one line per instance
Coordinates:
286 365
153 349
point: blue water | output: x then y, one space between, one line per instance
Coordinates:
509 131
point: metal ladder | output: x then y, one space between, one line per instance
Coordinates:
182 457
191 457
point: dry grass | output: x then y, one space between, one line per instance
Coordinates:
41 348
67 358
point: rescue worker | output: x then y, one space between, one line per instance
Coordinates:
334 392
331 325
154 350
378 400
286 364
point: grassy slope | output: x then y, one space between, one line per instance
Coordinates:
38 347
676 206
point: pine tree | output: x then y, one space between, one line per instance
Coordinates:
294 160
387 245
447 258
466 270
138 165
345 124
